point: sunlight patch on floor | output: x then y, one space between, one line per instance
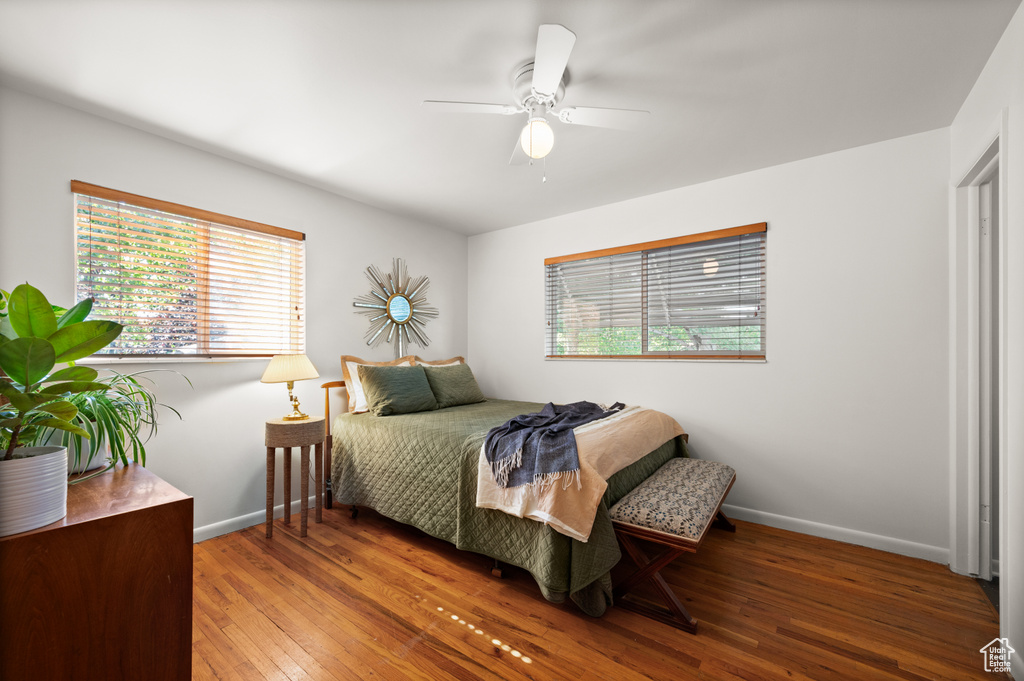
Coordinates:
477 630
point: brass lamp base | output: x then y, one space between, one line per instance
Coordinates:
296 415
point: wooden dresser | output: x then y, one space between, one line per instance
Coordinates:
105 593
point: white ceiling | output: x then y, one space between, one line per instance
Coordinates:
329 92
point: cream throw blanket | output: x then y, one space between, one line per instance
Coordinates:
605 447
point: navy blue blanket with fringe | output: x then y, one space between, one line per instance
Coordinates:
540 448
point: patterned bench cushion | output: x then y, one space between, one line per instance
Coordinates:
680 498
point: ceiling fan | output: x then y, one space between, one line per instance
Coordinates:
537 87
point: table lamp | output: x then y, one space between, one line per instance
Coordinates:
288 369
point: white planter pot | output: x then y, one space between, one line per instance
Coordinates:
33 489
98 461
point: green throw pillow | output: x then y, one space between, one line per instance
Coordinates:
396 390
453 384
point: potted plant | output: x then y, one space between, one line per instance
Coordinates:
119 420
38 399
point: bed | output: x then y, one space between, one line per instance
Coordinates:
421 469
411 449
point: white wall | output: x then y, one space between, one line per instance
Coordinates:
216 453
999 89
841 432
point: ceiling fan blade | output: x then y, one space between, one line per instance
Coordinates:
471 107
554 45
623 119
519 157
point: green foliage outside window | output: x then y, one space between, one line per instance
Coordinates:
158 278
628 340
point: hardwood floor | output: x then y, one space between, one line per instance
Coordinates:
370 598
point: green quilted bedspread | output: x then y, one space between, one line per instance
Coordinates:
420 469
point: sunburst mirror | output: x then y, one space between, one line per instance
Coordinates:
397 308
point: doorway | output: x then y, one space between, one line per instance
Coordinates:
989 372
978 367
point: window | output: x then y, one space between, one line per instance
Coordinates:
187 282
697 296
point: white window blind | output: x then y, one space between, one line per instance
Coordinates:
187 282
698 296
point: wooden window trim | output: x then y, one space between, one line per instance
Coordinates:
79 187
661 243
235 269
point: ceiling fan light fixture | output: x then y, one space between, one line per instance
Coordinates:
537 137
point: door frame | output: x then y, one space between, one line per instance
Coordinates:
964 356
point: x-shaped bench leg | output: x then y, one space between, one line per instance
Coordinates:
677 615
722 521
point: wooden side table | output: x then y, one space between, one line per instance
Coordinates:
288 434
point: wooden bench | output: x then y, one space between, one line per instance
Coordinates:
674 508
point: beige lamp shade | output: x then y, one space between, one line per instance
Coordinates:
287 368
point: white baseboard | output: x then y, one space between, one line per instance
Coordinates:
243 521
936 554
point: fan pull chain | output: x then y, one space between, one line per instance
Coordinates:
544 169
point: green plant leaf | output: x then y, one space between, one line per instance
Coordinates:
76 314
83 339
62 409
9 423
60 424
8 389
109 424
27 360
74 387
30 313
24 402
73 374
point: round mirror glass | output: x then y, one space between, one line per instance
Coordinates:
399 309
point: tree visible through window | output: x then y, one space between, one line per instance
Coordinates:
187 282
701 295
